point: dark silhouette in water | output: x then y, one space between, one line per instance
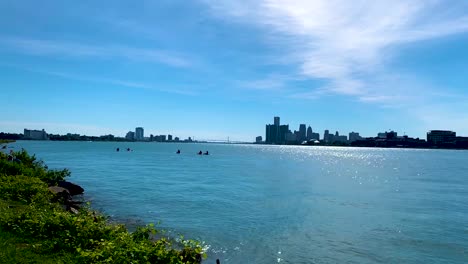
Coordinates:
118 149
206 153
200 152
178 151
128 149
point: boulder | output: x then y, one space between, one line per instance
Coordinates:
60 192
71 187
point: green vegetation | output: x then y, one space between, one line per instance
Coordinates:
6 141
35 230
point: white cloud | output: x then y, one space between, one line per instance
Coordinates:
344 41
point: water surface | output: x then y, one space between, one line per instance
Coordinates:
286 204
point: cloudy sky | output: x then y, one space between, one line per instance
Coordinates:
213 69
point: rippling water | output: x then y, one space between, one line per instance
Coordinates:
270 204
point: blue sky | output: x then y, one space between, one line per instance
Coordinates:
213 69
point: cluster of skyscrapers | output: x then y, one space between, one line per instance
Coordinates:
281 134
139 135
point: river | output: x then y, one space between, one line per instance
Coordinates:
281 204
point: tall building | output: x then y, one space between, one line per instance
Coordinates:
35 134
309 133
130 135
302 132
276 121
437 137
326 135
258 139
139 134
276 133
169 137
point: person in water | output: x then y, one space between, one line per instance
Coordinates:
206 153
200 152
128 149
118 149
178 151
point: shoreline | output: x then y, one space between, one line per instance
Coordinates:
41 220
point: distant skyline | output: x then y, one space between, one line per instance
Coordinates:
216 69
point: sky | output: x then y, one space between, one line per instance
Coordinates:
214 69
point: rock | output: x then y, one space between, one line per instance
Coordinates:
74 210
58 190
60 193
71 187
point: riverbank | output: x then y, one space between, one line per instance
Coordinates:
6 141
38 225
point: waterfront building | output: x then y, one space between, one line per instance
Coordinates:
139 134
341 138
315 136
35 134
387 135
291 137
276 133
309 133
326 135
258 139
169 137
354 136
462 142
440 137
176 139
130 135
163 138
302 132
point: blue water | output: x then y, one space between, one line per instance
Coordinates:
270 204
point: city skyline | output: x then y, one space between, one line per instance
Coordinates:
213 70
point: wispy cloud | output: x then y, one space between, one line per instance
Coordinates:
43 47
111 81
346 42
273 82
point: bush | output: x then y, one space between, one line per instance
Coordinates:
24 189
27 165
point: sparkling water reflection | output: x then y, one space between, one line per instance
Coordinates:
270 204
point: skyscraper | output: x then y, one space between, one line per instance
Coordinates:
276 133
326 135
302 132
139 134
277 121
309 133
